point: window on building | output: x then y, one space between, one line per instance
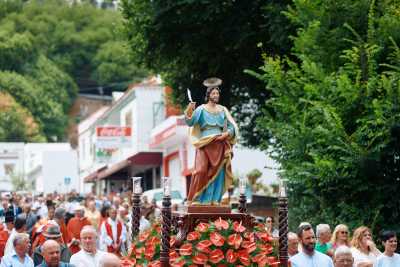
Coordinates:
128 118
9 168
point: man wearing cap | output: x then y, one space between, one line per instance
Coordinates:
213 132
75 226
52 232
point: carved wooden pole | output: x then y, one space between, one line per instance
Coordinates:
283 227
242 197
137 193
166 224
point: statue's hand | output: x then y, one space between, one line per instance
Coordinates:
190 108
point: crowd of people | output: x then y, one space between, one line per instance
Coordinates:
59 230
326 249
67 230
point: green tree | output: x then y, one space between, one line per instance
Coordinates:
335 123
16 123
187 41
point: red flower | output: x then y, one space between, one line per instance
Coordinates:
144 236
244 257
204 245
216 256
266 248
149 252
173 255
249 246
139 251
202 227
264 236
249 236
221 265
172 241
177 263
231 256
238 227
152 241
274 262
200 259
221 224
128 262
186 249
193 236
235 240
259 258
155 264
217 239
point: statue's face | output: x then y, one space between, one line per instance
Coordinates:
214 96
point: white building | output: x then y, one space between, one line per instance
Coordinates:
11 163
139 109
48 167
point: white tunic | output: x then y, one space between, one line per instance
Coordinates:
106 240
386 261
318 259
360 257
86 259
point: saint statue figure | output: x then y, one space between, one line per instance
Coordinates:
213 132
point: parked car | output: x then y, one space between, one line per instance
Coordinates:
157 194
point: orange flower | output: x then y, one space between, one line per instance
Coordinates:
238 227
274 262
139 251
217 239
144 236
154 240
266 248
244 257
200 259
264 236
221 224
249 246
177 263
216 256
260 257
155 264
204 245
193 236
149 252
128 262
249 236
231 256
173 255
221 265
202 227
235 240
172 241
186 249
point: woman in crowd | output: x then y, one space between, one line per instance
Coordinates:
340 236
389 258
363 248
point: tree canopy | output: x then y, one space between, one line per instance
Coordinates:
188 41
50 50
334 113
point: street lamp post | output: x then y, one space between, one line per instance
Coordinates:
242 195
137 192
283 226
166 223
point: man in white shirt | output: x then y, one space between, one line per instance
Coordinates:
88 256
309 257
343 257
112 233
19 227
389 258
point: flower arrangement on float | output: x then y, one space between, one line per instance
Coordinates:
216 243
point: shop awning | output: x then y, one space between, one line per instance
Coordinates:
93 176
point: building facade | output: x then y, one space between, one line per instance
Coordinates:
105 168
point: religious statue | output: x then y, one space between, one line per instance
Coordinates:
213 132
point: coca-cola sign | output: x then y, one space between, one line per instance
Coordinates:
112 137
113 131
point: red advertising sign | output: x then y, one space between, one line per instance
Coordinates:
112 137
